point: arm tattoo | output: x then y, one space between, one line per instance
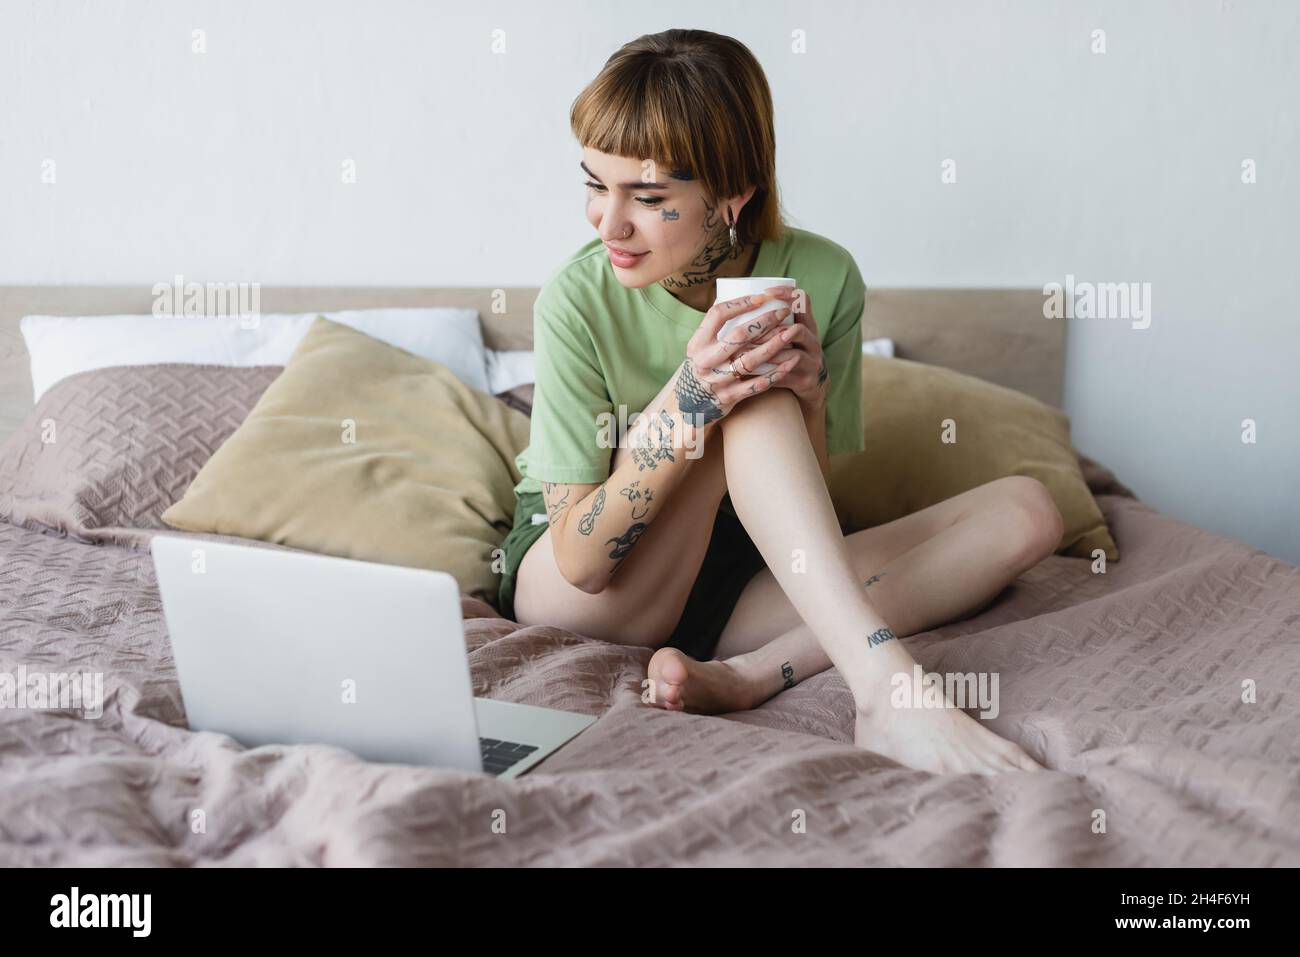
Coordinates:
879 637
873 579
694 397
623 543
659 444
588 520
635 494
555 509
788 674
650 458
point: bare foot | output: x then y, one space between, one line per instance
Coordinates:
680 683
939 740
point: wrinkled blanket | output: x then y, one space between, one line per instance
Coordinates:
1164 695
1128 685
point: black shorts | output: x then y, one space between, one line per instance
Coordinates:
730 561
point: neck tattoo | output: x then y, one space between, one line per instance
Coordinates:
712 257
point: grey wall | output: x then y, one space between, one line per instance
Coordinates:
1122 166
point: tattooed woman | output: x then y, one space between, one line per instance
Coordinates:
705 530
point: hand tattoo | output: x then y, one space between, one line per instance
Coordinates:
694 397
736 336
788 674
588 520
821 373
873 579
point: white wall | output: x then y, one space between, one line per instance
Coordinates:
1124 166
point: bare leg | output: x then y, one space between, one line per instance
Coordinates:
643 602
967 549
781 497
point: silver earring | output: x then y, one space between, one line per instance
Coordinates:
731 228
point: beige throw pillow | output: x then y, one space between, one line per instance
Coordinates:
906 466
362 450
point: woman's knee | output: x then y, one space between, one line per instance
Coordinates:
1034 521
765 401
761 416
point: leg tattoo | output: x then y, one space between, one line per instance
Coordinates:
879 637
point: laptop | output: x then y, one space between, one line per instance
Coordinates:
283 647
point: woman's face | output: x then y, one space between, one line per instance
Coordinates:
681 238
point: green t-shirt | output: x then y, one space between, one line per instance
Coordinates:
600 345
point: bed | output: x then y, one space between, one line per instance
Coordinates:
1163 695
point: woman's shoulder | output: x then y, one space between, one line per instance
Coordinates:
579 280
806 246
582 269
818 261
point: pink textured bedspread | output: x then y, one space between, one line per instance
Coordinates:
1128 685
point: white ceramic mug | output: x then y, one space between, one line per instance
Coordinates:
735 287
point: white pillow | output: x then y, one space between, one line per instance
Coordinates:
878 347
507 368
511 367
61 346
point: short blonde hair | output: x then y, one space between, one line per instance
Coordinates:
698 104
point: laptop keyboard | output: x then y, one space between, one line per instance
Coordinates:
498 756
